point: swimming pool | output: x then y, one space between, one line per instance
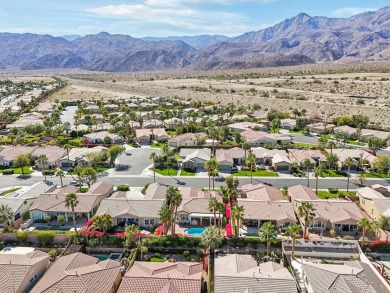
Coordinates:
113 256
194 231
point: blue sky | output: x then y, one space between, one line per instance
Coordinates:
141 18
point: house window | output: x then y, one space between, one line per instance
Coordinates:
149 222
318 224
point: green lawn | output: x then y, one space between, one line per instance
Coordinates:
304 145
258 173
164 172
9 191
325 194
377 175
354 142
101 169
18 171
157 259
30 139
171 132
52 228
187 173
157 145
333 173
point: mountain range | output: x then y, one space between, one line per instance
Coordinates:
299 40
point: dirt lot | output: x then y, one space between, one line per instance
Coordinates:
324 90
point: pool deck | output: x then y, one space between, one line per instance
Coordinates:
181 228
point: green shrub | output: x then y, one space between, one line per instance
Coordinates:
123 188
52 254
347 237
144 189
93 242
200 252
47 218
49 172
45 237
186 253
333 190
21 236
8 171
40 221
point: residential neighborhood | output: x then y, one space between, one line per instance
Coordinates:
163 195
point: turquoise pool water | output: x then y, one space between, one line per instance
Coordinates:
194 231
101 257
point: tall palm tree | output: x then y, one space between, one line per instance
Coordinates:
268 233
67 147
165 215
176 201
307 163
6 214
238 212
212 207
211 165
306 211
367 226
331 145
293 230
42 159
71 201
221 209
317 171
172 192
246 147
251 162
348 162
165 153
153 156
211 239
61 174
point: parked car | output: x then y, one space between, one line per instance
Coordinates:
75 183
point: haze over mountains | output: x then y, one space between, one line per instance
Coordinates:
299 40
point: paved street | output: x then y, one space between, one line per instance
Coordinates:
140 181
134 161
68 115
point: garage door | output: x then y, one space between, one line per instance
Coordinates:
283 167
224 167
66 165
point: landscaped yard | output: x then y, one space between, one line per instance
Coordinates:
164 172
171 132
101 169
157 258
19 170
30 139
53 227
377 175
333 173
157 145
325 194
297 131
304 145
187 172
354 142
9 191
258 173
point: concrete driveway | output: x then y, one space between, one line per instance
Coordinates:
134 161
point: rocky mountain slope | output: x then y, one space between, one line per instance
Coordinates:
300 40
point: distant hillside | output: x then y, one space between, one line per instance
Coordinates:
298 40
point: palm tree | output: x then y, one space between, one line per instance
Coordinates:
213 206
348 162
317 171
221 209
246 147
71 201
6 214
293 230
42 159
366 225
165 215
307 163
211 165
175 201
211 239
172 192
331 145
165 153
61 174
306 211
268 233
238 212
153 156
67 147
251 162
